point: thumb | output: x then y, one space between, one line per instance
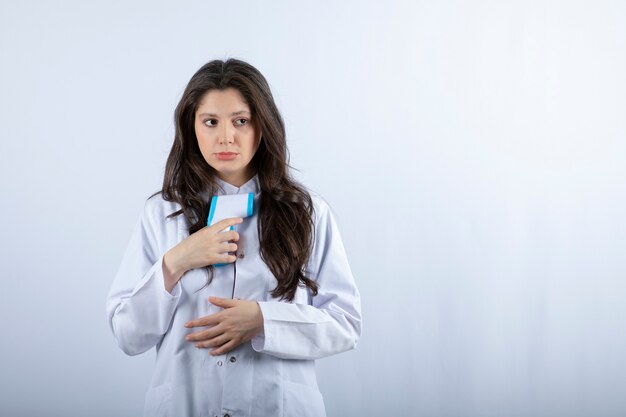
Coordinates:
222 302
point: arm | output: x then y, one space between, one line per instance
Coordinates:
139 308
331 322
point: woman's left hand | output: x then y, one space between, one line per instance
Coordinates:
239 322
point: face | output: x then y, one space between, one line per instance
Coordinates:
227 135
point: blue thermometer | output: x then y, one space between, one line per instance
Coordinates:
230 205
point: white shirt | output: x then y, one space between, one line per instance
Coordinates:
274 373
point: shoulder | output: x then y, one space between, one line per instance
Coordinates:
156 209
321 207
324 215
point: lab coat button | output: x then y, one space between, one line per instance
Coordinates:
233 359
219 363
226 415
241 255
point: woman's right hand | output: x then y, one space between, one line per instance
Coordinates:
207 246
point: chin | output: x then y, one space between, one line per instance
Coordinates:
231 171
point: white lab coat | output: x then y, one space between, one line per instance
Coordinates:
272 375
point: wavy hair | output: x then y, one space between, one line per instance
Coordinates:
285 226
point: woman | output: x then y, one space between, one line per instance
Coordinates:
240 339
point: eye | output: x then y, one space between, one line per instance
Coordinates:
245 121
209 120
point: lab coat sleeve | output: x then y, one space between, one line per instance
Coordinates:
331 322
139 308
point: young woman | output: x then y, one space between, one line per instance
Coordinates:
240 339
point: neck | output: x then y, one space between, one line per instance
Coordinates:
237 180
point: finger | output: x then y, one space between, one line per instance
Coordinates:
224 348
228 236
223 302
205 334
228 247
212 319
225 258
214 342
231 221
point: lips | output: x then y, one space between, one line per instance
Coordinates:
226 156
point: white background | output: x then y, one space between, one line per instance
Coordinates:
474 154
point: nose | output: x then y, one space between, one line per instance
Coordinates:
226 135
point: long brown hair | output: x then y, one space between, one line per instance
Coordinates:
285 226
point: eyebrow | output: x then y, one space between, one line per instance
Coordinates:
232 114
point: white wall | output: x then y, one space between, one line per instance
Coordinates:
474 153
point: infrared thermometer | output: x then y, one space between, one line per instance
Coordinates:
230 205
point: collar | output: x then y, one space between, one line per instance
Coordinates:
251 186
